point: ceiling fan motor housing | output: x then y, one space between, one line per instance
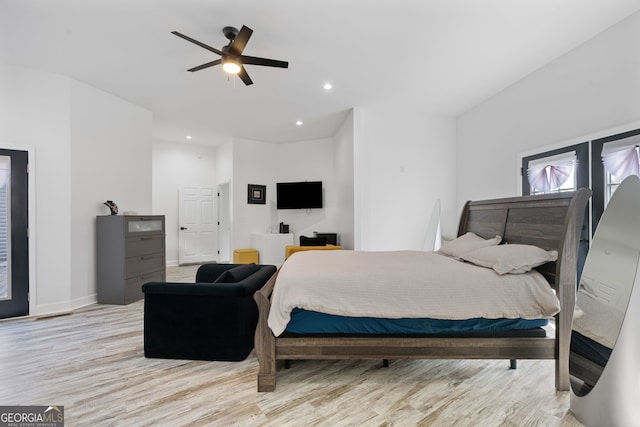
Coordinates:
230 32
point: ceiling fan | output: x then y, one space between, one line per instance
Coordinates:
232 59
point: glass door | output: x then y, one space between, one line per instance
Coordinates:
14 240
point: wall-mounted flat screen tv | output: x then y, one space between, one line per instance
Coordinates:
299 195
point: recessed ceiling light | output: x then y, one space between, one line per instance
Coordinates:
299 123
327 86
188 136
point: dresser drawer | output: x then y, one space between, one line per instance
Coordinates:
133 286
142 245
136 225
139 265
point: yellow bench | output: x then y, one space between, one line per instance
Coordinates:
246 256
291 249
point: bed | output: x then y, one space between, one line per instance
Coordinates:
551 222
596 323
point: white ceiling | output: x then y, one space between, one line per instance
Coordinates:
436 56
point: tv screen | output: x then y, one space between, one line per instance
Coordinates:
299 195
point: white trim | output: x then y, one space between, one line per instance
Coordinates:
51 309
84 301
590 204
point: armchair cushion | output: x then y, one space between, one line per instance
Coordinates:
237 274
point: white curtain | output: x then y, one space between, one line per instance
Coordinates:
622 158
550 173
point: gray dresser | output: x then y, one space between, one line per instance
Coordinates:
131 252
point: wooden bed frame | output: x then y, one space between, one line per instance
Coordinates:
551 221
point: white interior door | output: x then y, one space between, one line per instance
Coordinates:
224 224
197 222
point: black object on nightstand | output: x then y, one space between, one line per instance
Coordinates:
332 238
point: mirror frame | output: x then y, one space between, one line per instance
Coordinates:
613 400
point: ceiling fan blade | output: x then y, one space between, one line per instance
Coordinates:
252 60
212 49
238 44
245 77
207 65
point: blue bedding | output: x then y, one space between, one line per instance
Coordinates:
311 322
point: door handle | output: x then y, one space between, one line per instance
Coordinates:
183 228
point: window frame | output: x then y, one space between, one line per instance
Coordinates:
599 186
582 158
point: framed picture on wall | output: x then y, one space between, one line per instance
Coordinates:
257 194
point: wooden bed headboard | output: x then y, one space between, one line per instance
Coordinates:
550 221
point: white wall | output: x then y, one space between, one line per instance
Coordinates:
34 114
254 162
344 186
84 144
176 166
309 161
110 160
404 162
87 147
594 87
224 163
241 162
264 163
224 177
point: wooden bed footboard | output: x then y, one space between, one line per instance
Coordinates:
552 221
265 341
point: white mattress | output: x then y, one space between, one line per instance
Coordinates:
401 284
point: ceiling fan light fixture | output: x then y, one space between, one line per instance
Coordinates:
230 66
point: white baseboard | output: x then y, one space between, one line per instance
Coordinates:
62 308
84 301
54 309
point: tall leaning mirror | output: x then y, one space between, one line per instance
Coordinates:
604 361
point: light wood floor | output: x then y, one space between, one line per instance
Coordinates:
92 362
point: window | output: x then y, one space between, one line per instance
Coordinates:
563 169
612 159
621 158
611 183
5 226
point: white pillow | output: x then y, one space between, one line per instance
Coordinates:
510 258
467 243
